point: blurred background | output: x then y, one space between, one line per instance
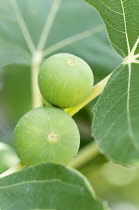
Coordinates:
78 29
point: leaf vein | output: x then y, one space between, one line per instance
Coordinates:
48 24
73 39
23 26
113 27
110 8
40 182
128 108
128 47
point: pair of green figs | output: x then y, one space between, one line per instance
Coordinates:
48 134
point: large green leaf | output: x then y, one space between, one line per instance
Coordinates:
116 115
121 19
49 26
47 186
21 25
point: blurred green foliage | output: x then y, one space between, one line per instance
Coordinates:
8 158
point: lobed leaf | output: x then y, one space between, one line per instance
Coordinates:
28 26
121 20
22 23
116 114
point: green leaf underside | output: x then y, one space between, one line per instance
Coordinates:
116 114
47 186
65 35
27 20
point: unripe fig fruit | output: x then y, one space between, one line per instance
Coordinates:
46 134
65 80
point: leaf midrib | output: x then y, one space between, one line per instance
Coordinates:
45 32
126 33
130 130
41 182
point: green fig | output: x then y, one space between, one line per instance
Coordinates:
46 134
65 80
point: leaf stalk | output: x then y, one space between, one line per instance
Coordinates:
36 96
96 91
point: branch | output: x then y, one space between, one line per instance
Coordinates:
36 96
96 91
